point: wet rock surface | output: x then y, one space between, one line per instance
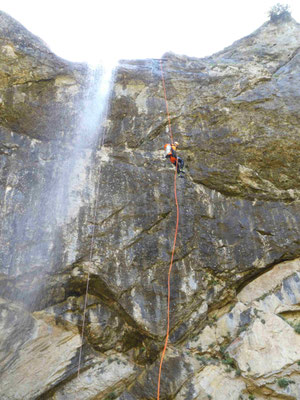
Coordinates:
235 280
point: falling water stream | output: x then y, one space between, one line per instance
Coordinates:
43 238
78 173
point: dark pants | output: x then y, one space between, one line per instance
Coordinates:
180 164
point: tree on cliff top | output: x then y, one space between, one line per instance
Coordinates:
280 12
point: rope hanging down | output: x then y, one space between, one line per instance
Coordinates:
166 101
90 258
174 242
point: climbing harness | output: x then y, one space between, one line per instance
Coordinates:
174 242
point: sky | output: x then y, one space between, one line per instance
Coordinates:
96 31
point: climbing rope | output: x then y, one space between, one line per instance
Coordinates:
88 271
174 242
166 101
90 257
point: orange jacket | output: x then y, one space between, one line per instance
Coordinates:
170 152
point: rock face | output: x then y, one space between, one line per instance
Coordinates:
235 285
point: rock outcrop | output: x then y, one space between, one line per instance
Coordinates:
235 316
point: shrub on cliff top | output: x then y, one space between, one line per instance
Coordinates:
283 383
280 12
297 328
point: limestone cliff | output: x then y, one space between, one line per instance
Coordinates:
235 316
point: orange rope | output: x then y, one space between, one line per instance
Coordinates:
174 243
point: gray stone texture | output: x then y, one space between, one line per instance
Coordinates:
66 174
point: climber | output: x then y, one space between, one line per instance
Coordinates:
170 152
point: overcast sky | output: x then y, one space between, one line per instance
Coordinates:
94 30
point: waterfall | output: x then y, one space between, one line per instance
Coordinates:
41 227
79 169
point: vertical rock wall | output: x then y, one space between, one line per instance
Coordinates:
235 281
